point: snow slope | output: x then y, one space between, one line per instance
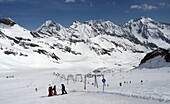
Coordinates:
29 59
97 41
20 89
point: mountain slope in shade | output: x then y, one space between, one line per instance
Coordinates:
156 59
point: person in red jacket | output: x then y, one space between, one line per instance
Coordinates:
50 91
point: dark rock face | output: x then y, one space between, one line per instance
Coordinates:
159 52
7 21
52 55
167 57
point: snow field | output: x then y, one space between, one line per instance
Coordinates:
21 88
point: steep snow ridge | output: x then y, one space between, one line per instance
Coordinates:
102 27
14 37
15 31
81 31
50 28
17 44
149 31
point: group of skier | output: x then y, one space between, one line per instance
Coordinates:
52 90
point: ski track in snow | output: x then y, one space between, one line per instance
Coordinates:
125 95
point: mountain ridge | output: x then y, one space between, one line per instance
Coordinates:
94 39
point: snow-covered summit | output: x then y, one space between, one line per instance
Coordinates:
76 22
11 29
149 31
50 28
49 24
141 19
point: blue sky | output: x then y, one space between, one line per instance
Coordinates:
32 13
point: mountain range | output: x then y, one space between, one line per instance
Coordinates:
100 42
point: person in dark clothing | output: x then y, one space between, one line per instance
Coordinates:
63 89
36 89
50 91
54 89
120 84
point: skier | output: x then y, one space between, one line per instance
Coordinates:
54 89
50 91
120 84
36 89
63 89
141 81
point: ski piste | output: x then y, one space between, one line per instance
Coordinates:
53 95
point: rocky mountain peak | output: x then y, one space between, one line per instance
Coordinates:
49 28
148 31
140 21
7 21
99 21
49 24
76 22
144 19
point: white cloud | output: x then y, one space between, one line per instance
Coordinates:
143 7
91 4
70 1
163 4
